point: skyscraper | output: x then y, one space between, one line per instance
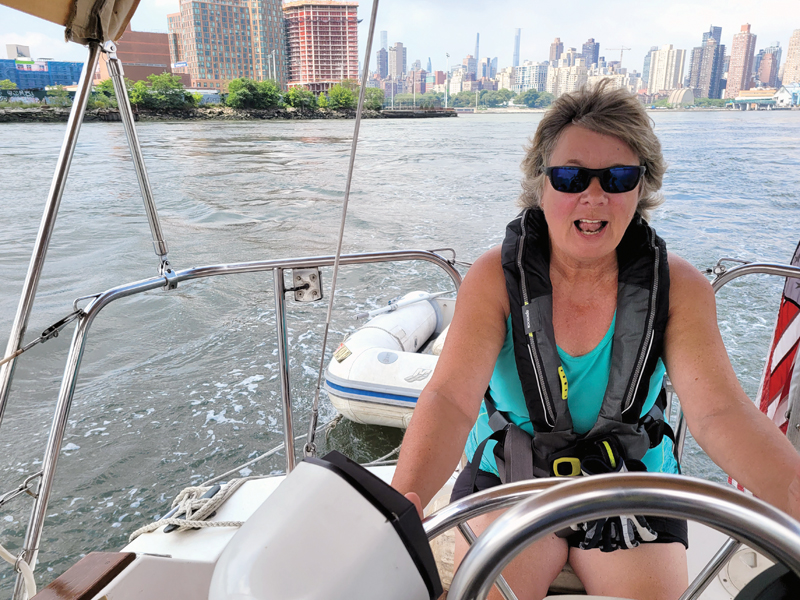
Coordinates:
776 50
477 46
767 72
705 66
397 61
382 66
591 52
791 70
646 67
556 49
493 72
220 40
666 69
430 67
740 71
517 34
385 40
322 38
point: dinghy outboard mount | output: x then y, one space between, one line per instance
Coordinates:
334 531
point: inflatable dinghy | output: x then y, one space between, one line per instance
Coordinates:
378 371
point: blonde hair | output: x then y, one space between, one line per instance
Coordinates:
613 112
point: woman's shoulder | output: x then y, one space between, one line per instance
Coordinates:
689 288
486 280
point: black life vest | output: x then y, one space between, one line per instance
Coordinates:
641 320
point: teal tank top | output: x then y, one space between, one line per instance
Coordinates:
587 377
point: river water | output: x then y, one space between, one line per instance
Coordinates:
178 386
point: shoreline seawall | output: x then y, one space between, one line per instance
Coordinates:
50 114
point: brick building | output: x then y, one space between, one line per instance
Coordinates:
142 53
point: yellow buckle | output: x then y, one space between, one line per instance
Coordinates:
574 466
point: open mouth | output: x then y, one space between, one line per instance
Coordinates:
590 226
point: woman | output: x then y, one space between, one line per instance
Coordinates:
571 324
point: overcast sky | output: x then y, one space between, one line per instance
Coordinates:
431 28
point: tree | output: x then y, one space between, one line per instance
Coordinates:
301 98
430 100
373 98
322 100
493 99
7 84
59 97
340 96
246 93
463 99
168 92
528 98
545 99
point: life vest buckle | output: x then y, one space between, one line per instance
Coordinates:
567 466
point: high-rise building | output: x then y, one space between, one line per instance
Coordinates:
31 74
791 70
646 67
220 40
322 39
569 57
382 60
562 80
767 73
517 34
430 67
706 64
530 76
397 61
493 70
385 40
591 52
774 49
470 65
416 65
740 71
477 47
143 53
666 69
556 49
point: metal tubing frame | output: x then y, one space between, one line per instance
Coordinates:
283 361
84 322
585 499
501 584
48 222
714 566
126 113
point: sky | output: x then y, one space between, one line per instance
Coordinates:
432 28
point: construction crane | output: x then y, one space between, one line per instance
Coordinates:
621 52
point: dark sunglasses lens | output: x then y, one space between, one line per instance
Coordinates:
568 180
617 180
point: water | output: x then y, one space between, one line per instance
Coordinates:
176 387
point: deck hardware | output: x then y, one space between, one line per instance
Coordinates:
48 334
75 302
23 488
170 279
307 285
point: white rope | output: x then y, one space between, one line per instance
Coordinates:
196 509
21 567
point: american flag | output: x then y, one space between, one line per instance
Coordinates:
773 393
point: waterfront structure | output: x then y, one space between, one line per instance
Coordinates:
382 63
791 70
31 74
556 49
591 52
646 67
397 61
705 65
142 53
515 60
740 71
219 40
681 97
322 42
788 95
666 69
529 76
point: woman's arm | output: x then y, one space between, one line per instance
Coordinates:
723 420
448 406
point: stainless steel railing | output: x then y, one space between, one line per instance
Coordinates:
583 499
95 306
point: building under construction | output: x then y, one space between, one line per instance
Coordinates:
322 42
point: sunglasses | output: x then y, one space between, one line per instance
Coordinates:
614 180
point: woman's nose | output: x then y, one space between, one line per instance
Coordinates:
594 194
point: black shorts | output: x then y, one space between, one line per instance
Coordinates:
668 530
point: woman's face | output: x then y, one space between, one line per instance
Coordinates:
588 225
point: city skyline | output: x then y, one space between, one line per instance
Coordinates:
430 29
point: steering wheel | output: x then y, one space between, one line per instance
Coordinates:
587 498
